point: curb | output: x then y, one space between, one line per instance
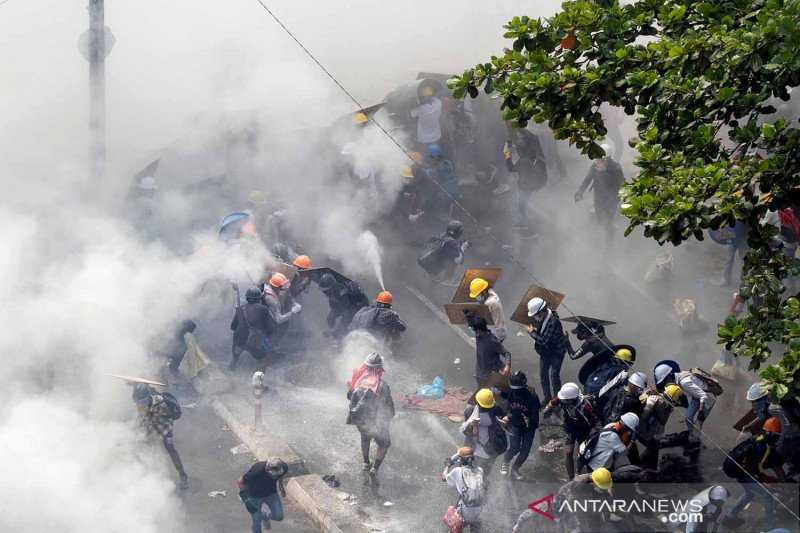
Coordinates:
325 506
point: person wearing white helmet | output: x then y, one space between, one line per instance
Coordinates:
580 418
712 501
613 443
550 342
628 399
700 397
758 396
605 177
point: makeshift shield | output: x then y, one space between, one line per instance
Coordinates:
746 420
490 274
290 271
130 380
553 299
594 363
587 320
316 273
457 312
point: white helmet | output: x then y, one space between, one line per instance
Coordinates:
718 493
569 391
756 392
639 379
661 372
630 420
535 305
148 183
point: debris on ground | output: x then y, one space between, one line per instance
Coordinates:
456 418
331 480
435 390
457 361
551 446
240 449
452 404
189 405
215 493
388 504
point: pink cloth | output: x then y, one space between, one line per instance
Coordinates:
365 377
453 404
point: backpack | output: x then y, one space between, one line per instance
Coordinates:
255 339
362 408
586 449
431 258
741 454
712 385
173 406
355 296
498 440
473 486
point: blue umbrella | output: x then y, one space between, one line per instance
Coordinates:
232 222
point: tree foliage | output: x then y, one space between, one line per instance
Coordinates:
706 81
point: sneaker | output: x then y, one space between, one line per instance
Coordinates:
366 467
373 472
516 474
504 469
183 484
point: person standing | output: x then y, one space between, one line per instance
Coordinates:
529 166
157 416
550 342
523 420
251 325
259 490
380 319
605 177
579 420
480 290
371 410
484 430
466 477
428 114
492 358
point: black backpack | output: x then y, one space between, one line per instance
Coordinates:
356 296
742 455
431 258
586 449
363 407
173 406
498 440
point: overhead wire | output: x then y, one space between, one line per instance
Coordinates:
474 219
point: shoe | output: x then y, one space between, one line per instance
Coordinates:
516 474
504 469
366 467
373 472
183 484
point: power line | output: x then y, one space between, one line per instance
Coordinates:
475 220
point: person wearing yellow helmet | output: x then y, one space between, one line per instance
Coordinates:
429 115
656 410
480 290
483 427
360 119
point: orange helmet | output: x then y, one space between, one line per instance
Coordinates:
302 261
278 280
384 297
773 425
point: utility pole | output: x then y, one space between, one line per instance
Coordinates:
97 87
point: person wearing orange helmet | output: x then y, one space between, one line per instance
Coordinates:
379 319
302 281
273 296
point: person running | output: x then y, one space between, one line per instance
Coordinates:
259 490
466 477
157 416
523 420
550 342
580 419
371 410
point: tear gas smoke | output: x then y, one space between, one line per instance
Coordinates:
370 248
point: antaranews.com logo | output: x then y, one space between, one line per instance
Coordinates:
669 509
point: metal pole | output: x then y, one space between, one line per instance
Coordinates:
97 87
258 392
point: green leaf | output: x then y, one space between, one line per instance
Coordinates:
768 131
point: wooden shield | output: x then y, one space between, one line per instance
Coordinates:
553 299
131 380
490 274
455 312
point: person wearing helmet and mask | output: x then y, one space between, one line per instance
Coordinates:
261 489
275 291
580 419
748 463
491 357
601 373
252 324
371 410
613 443
429 115
712 500
345 298
409 205
157 418
628 398
758 396
463 474
593 338
480 290
484 430
656 410
522 420
301 281
380 319
588 486
444 252
605 177
701 399
550 342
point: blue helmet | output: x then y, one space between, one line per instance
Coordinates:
435 150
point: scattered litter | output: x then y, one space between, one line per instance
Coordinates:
456 418
215 493
553 445
331 480
189 405
435 390
457 361
241 448
346 497
452 404
388 504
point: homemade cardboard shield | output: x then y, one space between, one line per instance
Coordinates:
131 380
490 274
455 312
553 299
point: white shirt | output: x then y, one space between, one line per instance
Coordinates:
608 444
694 388
428 115
499 319
455 478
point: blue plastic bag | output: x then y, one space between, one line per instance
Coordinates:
435 390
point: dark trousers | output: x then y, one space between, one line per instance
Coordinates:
550 372
519 444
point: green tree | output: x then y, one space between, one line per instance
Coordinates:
703 79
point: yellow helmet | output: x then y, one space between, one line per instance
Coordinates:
257 197
485 398
361 118
427 91
624 354
477 286
406 172
601 477
673 392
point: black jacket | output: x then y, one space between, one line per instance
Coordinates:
379 320
259 318
523 406
491 354
606 184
